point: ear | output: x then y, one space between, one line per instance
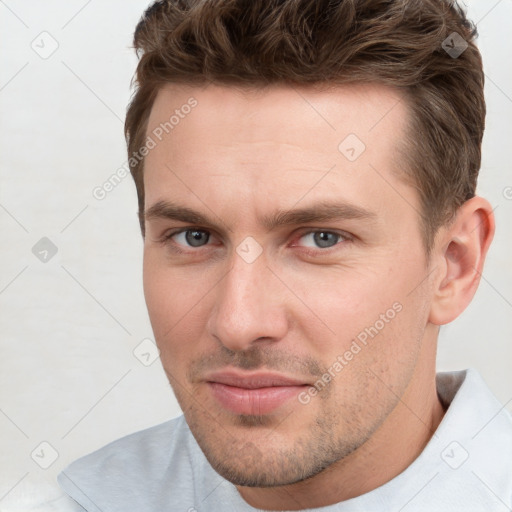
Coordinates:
460 251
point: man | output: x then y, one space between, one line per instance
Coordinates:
306 176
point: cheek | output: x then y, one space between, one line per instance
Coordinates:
344 299
374 364
160 299
369 316
175 305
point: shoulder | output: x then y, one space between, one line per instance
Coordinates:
61 504
149 465
475 439
144 447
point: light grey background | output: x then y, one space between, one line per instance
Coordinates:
69 326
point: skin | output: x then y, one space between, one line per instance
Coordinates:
237 157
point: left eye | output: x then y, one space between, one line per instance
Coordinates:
322 239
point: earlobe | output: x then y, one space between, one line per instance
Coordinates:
462 247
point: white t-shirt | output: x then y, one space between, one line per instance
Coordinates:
466 466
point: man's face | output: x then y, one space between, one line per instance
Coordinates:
252 306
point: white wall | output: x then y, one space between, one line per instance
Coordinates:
68 375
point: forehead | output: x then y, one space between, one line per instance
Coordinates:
275 144
334 110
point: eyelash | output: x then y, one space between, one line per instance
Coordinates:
344 237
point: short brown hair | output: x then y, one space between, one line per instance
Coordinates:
398 43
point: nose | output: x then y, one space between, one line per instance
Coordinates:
250 306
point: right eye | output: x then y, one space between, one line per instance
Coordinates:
187 238
190 237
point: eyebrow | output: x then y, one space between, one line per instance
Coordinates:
319 212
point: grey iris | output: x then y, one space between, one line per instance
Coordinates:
325 239
196 238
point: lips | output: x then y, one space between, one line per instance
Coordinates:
252 394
